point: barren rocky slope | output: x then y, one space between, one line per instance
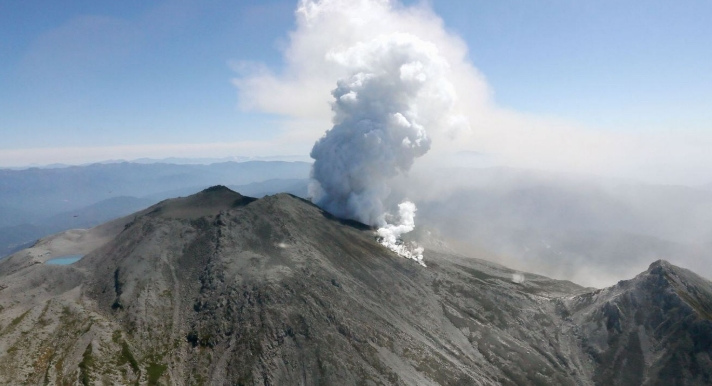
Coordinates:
217 288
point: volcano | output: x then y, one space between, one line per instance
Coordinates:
218 288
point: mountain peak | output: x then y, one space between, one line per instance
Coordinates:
217 188
660 265
648 321
208 202
691 288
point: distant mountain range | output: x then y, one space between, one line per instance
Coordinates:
174 160
50 191
37 202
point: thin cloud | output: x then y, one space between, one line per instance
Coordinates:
88 154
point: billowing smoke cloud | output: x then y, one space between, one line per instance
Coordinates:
390 234
396 88
317 53
299 90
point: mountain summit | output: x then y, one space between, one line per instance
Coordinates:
218 288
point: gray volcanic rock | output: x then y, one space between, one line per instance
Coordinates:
217 288
655 329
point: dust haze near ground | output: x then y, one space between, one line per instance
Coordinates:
588 229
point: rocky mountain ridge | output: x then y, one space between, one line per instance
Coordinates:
217 288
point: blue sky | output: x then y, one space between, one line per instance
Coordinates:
96 73
88 74
620 65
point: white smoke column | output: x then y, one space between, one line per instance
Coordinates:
395 89
390 234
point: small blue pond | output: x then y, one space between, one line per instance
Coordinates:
64 260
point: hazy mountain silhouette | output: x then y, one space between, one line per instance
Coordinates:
38 202
46 192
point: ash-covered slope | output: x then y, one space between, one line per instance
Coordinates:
217 288
654 329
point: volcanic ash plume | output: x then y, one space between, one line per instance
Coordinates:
395 89
390 233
